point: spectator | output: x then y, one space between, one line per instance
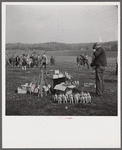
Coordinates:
24 63
85 60
17 61
44 60
38 60
100 64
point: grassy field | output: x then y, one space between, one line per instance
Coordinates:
25 104
112 54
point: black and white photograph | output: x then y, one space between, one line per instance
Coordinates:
61 64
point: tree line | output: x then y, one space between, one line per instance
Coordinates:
54 46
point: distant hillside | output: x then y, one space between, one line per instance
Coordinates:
113 46
54 46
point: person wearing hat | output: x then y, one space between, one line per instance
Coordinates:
100 64
24 63
44 60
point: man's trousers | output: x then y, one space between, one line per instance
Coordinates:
99 80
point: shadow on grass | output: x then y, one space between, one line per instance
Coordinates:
110 80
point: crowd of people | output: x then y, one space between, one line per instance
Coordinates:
27 60
82 60
98 63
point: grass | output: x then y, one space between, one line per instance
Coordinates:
25 104
58 53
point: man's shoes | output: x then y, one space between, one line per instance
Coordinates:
99 95
95 94
93 72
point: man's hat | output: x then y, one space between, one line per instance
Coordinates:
96 45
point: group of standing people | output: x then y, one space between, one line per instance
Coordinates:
14 61
27 60
99 64
82 60
40 61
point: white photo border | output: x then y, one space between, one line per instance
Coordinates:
51 132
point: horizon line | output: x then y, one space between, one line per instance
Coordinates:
59 42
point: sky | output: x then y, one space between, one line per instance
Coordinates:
61 23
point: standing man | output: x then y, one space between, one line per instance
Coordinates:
7 60
44 60
17 61
38 60
100 64
24 63
13 60
86 60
